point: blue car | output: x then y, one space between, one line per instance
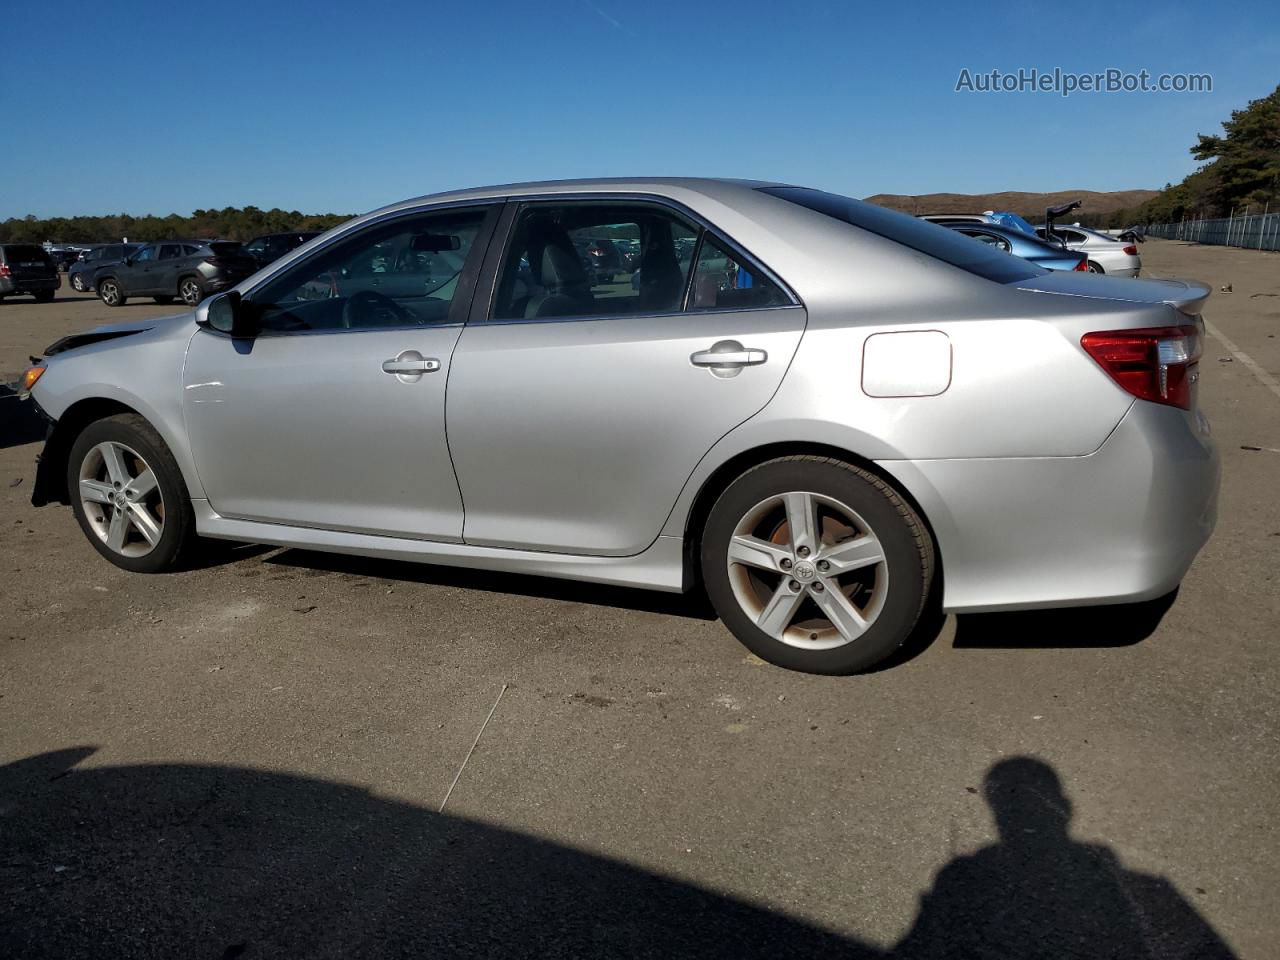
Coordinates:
1027 246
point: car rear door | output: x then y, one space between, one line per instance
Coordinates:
576 413
333 417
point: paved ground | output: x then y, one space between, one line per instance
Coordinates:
248 759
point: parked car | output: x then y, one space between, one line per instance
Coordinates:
813 417
187 269
272 246
80 275
27 268
1011 220
1105 254
1051 256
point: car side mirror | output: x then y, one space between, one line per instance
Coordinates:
227 314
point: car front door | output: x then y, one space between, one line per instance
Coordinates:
334 415
580 405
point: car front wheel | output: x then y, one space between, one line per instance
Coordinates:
128 495
816 565
77 282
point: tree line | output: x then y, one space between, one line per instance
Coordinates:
230 223
1242 170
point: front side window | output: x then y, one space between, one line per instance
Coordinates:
592 259
402 273
145 254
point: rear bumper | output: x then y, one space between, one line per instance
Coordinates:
16 285
1120 525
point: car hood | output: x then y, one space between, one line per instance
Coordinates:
158 327
1187 296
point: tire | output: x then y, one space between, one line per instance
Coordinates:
77 283
44 296
190 291
1095 267
111 293
164 300
97 501
777 604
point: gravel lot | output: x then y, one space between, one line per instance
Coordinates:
249 759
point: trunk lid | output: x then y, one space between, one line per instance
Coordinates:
1185 296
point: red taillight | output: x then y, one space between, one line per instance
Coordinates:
1156 363
4 270
1082 265
1130 251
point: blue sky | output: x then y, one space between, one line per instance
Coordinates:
319 106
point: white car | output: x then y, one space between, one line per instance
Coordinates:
1106 254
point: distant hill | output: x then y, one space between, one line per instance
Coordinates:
1029 205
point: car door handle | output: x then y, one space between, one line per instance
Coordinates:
410 366
727 354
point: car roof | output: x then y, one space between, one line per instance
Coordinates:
708 186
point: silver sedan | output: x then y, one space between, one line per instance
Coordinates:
824 414
1105 253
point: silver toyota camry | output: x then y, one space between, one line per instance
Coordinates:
820 412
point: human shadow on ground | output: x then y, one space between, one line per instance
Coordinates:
200 861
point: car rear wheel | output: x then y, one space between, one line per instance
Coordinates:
190 291
111 294
816 565
128 495
1095 267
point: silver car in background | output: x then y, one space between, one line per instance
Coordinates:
821 412
1106 254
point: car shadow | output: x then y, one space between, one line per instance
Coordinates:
19 422
693 604
1117 625
186 860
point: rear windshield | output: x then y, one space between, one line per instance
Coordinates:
225 248
24 253
941 243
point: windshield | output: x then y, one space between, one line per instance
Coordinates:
922 236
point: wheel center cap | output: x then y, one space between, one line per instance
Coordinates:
804 570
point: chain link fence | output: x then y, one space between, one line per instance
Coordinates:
1259 231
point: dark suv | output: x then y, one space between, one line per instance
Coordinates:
27 268
80 274
273 246
188 269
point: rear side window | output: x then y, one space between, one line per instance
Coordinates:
722 282
941 243
24 253
593 259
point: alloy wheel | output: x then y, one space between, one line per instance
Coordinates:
808 570
190 292
78 282
110 293
121 499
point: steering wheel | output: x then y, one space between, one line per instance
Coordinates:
368 308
